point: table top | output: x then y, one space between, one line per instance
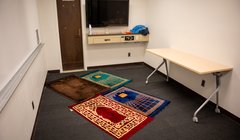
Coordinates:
191 62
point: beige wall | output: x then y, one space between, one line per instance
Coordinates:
47 10
17 118
19 39
205 28
17 35
117 53
93 54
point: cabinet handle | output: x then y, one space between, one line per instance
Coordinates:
107 39
78 33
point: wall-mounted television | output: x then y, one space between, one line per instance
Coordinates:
102 13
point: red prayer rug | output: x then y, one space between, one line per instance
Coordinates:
117 120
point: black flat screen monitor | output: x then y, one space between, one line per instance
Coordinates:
102 13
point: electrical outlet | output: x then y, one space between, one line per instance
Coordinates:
203 83
129 54
33 105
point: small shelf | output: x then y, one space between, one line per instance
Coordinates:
116 38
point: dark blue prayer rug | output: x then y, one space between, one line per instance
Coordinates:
140 102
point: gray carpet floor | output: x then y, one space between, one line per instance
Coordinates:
55 122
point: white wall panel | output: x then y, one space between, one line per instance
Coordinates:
209 29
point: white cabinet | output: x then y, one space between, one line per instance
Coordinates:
118 38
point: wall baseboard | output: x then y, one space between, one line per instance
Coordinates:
116 65
7 91
103 66
186 89
53 71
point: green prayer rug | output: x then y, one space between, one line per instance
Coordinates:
105 79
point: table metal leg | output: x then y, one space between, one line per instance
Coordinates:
155 70
165 61
216 91
218 84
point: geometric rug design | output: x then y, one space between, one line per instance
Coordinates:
140 102
112 117
76 88
105 79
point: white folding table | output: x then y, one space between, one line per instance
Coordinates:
193 63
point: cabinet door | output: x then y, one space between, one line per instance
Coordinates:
69 19
106 40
